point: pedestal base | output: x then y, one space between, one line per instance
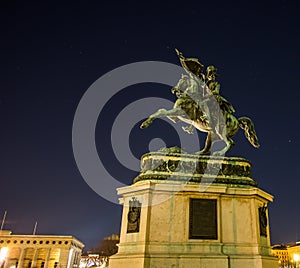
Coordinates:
180 224
212 261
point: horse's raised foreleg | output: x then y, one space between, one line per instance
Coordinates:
171 114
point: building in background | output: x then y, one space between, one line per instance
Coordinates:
39 251
288 255
93 260
294 254
280 251
99 256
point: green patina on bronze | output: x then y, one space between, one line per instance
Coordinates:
174 164
200 105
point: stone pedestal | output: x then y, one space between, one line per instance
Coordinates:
177 215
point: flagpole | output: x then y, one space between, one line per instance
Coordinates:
34 229
3 220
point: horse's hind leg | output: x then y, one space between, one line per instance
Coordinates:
207 146
229 143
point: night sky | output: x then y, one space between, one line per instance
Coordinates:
53 51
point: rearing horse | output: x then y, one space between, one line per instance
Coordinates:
198 107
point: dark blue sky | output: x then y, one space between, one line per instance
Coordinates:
53 51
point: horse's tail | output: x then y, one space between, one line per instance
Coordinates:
247 125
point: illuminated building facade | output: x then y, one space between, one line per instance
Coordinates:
294 254
93 260
280 251
39 251
288 255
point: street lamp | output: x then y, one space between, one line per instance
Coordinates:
3 253
296 258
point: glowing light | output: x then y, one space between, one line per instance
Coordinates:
3 253
296 257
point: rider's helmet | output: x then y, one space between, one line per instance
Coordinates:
190 64
211 71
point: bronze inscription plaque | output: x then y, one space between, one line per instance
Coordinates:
263 220
133 217
203 219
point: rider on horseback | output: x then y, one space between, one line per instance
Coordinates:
211 102
214 87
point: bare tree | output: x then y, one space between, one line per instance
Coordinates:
108 246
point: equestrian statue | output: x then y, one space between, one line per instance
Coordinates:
200 105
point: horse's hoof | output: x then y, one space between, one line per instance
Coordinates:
143 125
202 152
217 154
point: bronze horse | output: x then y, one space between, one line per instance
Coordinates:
192 108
